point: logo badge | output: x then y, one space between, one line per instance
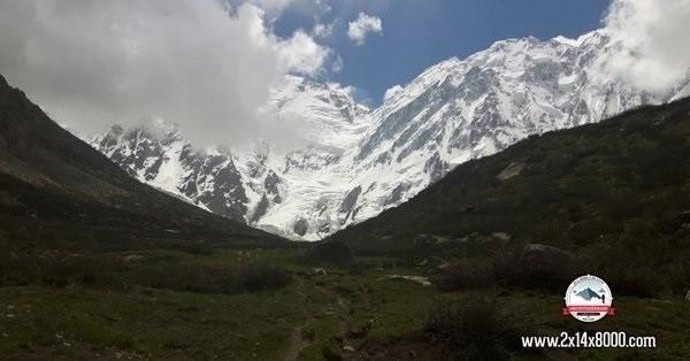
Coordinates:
588 299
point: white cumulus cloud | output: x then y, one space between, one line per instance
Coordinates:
362 26
203 64
655 36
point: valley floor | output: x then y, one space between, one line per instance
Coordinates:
366 314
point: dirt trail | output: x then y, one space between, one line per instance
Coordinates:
299 340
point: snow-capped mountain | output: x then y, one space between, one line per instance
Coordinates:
357 162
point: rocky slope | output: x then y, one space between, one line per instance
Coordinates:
357 162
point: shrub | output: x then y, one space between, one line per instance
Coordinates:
58 269
87 270
333 252
537 266
212 279
637 281
473 329
262 278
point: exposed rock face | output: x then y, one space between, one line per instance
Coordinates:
301 227
160 157
348 206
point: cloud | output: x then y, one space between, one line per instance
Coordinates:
654 35
301 54
196 63
337 64
362 26
392 91
323 30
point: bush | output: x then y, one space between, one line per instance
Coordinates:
637 281
87 270
333 252
644 261
58 269
262 278
473 329
468 273
212 279
537 266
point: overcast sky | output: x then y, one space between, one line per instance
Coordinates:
207 64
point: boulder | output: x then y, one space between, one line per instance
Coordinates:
512 170
543 260
318 271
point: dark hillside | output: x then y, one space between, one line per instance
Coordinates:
56 191
616 194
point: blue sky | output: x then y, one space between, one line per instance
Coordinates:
419 33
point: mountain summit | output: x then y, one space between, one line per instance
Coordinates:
358 162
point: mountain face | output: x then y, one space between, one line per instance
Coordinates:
610 198
53 185
356 162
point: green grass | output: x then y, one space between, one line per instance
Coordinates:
360 309
612 194
73 322
616 195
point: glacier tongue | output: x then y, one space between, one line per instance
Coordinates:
356 162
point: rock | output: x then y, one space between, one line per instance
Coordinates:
505 237
271 183
348 348
435 167
687 296
301 226
443 266
318 271
132 257
260 210
397 193
540 259
512 170
348 204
